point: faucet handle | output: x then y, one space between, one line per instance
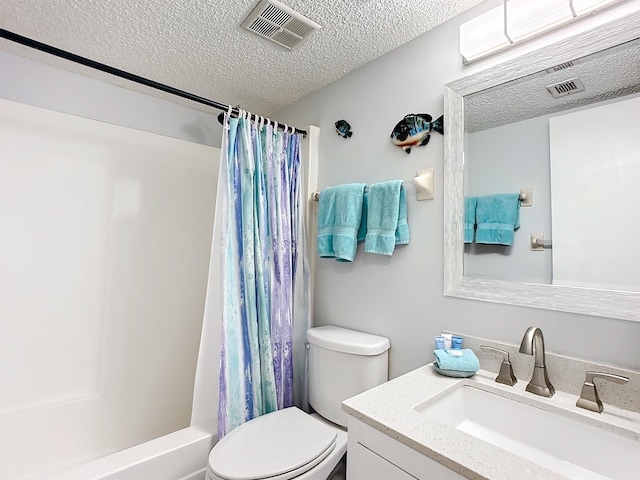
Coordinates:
505 375
589 398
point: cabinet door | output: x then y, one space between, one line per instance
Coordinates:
363 464
372 455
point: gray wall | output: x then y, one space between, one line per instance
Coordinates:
401 296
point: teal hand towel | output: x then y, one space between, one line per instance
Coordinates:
403 235
362 231
402 230
463 361
339 216
383 213
470 204
497 216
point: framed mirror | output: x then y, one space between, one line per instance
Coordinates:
461 98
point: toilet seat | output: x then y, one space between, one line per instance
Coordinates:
279 446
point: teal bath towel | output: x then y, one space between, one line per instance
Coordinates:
464 361
384 218
470 204
497 216
339 216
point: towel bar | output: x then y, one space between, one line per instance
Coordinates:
315 196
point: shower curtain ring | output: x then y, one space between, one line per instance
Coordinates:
226 125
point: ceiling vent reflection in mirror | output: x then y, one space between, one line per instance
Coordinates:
562 66
280 24
566 87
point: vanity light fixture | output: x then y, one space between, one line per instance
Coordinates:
525 18
582 7
518 20
484 34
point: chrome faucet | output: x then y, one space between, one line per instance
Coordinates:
533 344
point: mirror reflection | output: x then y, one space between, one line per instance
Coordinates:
569 136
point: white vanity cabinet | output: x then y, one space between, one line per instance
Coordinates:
372 455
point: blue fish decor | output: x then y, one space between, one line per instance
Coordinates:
415 130
343 129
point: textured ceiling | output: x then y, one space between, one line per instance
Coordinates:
611 73
198 46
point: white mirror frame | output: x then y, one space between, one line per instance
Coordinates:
590 301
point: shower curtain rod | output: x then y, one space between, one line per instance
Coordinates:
14 37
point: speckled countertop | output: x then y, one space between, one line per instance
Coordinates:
394 408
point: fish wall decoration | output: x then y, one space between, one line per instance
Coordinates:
343 128
415 130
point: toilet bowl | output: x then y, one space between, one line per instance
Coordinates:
291 444
282 445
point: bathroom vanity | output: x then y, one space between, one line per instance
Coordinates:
426 426
374 455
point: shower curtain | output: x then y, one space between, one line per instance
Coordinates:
261 222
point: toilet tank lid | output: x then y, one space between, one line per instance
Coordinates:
347 341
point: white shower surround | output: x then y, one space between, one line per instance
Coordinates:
100 330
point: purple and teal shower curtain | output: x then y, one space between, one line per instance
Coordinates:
260 224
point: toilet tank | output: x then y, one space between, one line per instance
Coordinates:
343 363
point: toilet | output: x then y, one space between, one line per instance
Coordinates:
291 444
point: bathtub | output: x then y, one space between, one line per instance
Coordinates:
180 455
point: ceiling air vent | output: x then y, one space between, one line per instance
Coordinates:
562 66
565 87
280 24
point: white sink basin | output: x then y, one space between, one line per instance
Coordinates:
566 446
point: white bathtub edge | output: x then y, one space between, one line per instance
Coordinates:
178 455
